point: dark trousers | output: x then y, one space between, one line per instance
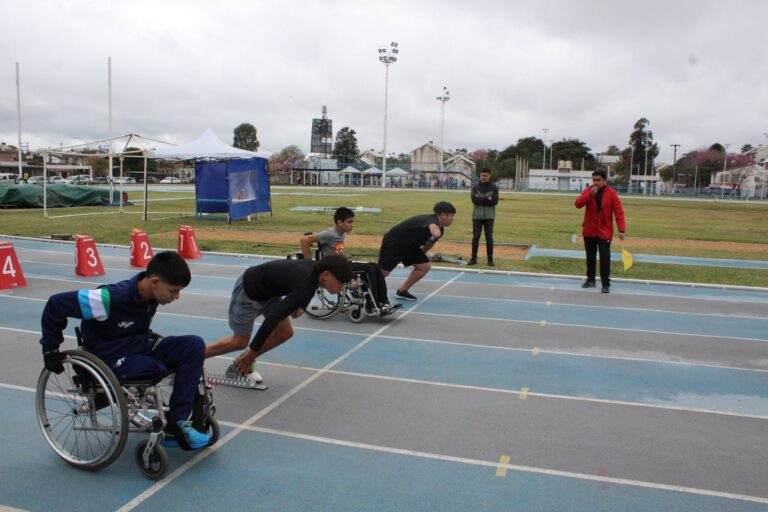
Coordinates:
376 281
183 355
592 246
477 226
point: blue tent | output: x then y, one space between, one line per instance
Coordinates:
227 180
238 187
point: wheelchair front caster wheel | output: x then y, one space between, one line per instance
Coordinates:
356 314
157 463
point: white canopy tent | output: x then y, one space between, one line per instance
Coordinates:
347 174
397 172
207 145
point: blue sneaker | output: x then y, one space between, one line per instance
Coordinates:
194 438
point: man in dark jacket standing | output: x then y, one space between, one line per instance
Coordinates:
485 197
603 204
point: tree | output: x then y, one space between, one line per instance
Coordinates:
245 137
746 148
532 149
345 149
613 150
285 159
574 151
635 153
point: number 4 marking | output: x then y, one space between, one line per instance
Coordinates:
8 268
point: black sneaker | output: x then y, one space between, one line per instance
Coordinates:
388 309
404 295
588 284
605 289
491 263
473 261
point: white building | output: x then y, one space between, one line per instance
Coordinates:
749 180
564 178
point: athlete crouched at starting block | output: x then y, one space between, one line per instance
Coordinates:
115 327
279 290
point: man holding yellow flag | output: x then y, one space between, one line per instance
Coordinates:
603 204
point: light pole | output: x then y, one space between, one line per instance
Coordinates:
674 163
551 146
725 161
442 99
645 168
544 151
387 56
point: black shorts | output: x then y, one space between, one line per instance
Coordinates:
391 255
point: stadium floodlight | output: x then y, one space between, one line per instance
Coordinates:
442 99
387 56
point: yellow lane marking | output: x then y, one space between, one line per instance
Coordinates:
504 459
535 351
523 393
543 323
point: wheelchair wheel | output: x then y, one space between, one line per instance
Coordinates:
325 305
356 313
212 429
157 463
82 411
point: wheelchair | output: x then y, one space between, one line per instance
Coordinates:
86 414
355 299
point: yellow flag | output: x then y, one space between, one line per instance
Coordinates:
626 258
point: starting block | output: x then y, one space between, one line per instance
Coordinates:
457 259
11 275
222 379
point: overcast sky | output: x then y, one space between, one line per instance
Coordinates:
583 69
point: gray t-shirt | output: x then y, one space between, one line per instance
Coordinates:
331 242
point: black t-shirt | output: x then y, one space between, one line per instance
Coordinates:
294 280
413 232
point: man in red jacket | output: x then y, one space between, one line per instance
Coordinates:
603 204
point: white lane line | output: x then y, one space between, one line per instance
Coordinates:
495 465
500 273
486 389
479 346
141 498
600 327
17 388
603 307
625 292
539 351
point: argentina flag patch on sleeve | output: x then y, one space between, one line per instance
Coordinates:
94 304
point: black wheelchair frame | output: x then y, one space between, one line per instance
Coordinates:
86 413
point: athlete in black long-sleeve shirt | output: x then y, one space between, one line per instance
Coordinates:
279 290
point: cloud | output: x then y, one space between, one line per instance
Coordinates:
584 70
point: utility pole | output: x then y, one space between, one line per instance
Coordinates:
544 151
674 164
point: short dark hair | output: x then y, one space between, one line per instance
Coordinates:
337 265
485 170
600 172
342 214
171 268
444 207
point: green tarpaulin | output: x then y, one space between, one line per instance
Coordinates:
31 196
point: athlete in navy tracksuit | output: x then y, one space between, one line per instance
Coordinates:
115 327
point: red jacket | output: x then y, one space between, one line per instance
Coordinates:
600 224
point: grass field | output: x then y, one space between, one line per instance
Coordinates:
724 229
